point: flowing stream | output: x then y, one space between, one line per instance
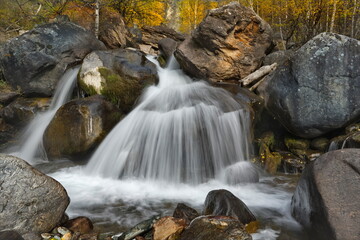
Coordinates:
31 141
182 140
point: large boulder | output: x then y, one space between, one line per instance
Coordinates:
326 199
31 202
215 228
79 126
120 75
151 35
316 91
224 203
115 34
229 44
35 61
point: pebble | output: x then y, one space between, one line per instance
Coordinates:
46 236
63 230
67 236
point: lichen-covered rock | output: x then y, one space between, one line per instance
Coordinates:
326 198
78 126
31 202
215 228
119 75
317 90
224 203
35 61
228 44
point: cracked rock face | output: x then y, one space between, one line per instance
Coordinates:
317 89
326 199
35 61
228 44
30 201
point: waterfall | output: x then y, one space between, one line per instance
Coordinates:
181 131
31 141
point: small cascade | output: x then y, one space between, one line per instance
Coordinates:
181 131
31 141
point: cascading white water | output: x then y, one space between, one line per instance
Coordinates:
31 141
182 131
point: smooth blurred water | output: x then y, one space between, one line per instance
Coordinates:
181 131
31 140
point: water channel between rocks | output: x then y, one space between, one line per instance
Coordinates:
183 140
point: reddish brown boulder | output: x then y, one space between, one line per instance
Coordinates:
229 44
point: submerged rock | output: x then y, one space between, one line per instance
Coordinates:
224 203
79 126
326 198
31 202
316 91
228 44
120 75
35 61
215 228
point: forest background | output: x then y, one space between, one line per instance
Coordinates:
294 21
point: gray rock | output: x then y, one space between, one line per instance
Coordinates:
79 126
317 90
326 199
119 75
35 61
31 202
224 203
228 44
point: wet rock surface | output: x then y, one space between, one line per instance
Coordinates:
120 75
316 91
224 203
228 44
215 228
325 198
35 61
31 202
79 126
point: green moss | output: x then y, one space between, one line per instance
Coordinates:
122 91
293 143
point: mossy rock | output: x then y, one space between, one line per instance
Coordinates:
296 143
320 144
120 75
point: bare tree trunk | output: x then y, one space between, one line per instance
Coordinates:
353 19
332 23
97 18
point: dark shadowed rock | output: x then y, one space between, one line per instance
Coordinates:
215 228
31 202
326 199
82 225
10 235
185 212
35 61
22 110
224 203
228 44
317 90
120 75
78 126
167 47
